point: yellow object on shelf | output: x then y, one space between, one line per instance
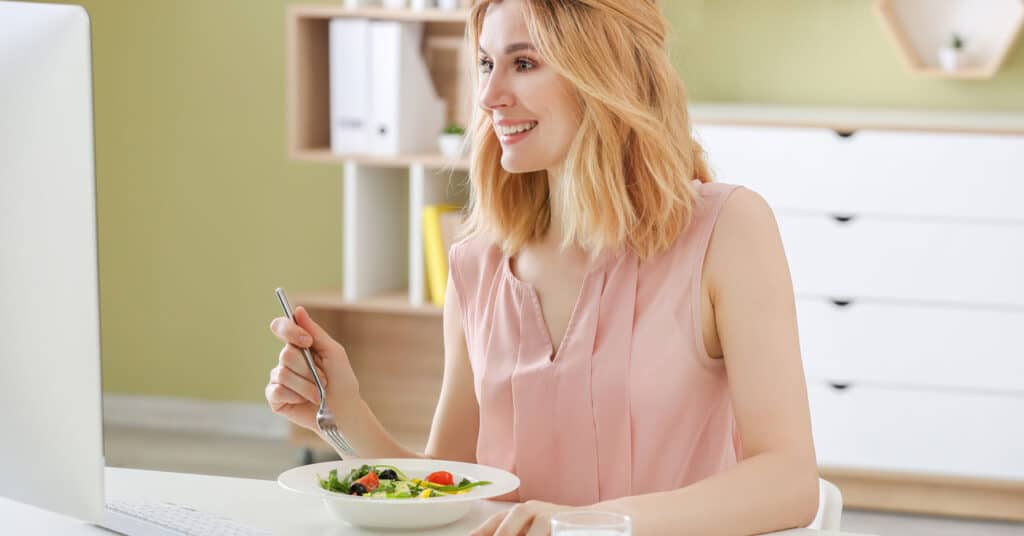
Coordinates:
436 251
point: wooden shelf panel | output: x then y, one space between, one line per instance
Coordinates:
430 161
928 494
395 302
973 73
918 28
327 11
390 353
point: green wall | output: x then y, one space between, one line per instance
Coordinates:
816 52
201 215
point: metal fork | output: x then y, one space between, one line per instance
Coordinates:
324 417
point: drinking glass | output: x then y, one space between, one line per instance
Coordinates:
590 523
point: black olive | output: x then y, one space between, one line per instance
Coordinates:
356 489
388 474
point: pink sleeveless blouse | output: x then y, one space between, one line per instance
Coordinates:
630 402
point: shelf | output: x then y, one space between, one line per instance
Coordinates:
327 11
394 302
308 73
430 161
384 195
919 28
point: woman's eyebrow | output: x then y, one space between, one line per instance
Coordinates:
514 47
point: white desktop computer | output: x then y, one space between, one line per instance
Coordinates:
52 451
51 435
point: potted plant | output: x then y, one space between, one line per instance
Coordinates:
452 140
951 56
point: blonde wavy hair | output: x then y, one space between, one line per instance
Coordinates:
629 167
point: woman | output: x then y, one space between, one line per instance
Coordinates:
619 330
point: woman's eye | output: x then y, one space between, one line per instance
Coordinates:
524 64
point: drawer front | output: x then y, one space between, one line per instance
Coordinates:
792 168
908 345
941 433
941 174
938 175
981 264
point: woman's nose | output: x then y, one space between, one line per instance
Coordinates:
494 94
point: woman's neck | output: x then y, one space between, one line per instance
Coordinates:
553 236
551 242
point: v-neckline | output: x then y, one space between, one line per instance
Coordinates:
553 357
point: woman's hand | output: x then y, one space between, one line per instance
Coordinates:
291 391
531 518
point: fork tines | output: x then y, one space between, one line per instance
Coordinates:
338 441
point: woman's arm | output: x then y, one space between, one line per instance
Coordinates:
453 434
775 486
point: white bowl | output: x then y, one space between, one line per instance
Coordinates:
400 513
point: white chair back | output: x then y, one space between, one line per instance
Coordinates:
830 507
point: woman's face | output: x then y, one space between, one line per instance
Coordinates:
518 90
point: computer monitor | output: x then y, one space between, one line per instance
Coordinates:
51 445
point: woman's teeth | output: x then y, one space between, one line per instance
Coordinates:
510 130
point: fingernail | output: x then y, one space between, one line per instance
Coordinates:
306 340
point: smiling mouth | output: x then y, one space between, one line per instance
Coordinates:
507 132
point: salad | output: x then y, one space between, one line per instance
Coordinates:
389 482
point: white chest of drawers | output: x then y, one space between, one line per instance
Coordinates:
906 248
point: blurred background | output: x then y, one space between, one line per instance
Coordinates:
202 212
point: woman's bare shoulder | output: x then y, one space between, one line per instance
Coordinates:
745 239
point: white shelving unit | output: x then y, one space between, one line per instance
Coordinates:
384 196
378 310
383 227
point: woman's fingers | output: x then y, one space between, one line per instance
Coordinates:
284 376
279 395
290 332
322 341
298 414
293 359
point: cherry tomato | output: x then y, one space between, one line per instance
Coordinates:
443 478
369 481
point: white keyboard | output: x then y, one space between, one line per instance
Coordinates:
169 519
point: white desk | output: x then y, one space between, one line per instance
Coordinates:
258 503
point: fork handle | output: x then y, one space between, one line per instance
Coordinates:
316 377
283 298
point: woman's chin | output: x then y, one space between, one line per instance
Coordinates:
515 165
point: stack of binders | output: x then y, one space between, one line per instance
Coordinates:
382 99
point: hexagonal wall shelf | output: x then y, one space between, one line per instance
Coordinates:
920 29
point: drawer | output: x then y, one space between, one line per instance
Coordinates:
940 175
792 168
909 345
920 431
905 259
